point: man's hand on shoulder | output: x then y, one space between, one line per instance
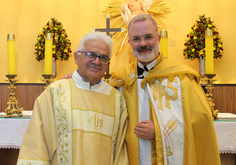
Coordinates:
67 76
145 130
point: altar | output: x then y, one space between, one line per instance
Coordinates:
11 135
12 131
225 128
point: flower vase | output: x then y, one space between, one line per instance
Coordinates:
55 66
202 69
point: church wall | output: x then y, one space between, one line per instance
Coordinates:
26 18
25 94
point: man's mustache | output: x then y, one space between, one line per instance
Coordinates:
144 48
95 66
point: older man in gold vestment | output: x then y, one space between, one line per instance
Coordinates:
79 121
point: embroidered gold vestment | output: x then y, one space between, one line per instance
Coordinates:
182 111
72 125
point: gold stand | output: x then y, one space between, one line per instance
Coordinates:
209 81
12 103
47 79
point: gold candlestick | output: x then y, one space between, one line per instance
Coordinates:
209 81
12 103
47 79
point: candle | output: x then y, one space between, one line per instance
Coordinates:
164 43
48 54
209 51
11 53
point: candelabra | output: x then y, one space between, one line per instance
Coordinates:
12 103
209 81
47 78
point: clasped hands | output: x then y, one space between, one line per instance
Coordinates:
145 130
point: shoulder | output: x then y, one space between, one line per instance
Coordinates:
170 67
177 65
110 89
58 83
125 70
121 75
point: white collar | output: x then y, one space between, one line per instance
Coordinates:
149 66
101 87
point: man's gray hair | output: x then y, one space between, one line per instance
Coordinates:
96 36
142 17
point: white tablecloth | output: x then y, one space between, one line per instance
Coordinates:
12 130
226 133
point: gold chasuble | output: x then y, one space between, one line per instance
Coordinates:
184 129
74 124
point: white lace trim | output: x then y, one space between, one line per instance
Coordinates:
227 150
10 145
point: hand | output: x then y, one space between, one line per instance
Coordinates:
145 130
67 76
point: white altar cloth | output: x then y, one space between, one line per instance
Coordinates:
12 130
225 128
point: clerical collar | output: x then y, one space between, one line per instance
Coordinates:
149 66
143 71
78 75
101 87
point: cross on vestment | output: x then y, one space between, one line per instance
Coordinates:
108 30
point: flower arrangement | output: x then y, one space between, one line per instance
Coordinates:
195 42
61 47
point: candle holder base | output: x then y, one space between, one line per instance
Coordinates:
47 79
12 103
209 81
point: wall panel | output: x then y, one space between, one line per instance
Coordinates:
224 96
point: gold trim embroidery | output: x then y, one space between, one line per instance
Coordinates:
96 122
62 127
159 92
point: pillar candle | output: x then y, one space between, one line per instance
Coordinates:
209 51
164 43
48 54
11 53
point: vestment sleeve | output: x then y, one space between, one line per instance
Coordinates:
39 142
121 154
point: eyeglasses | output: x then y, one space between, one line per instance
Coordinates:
91 56
146 38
